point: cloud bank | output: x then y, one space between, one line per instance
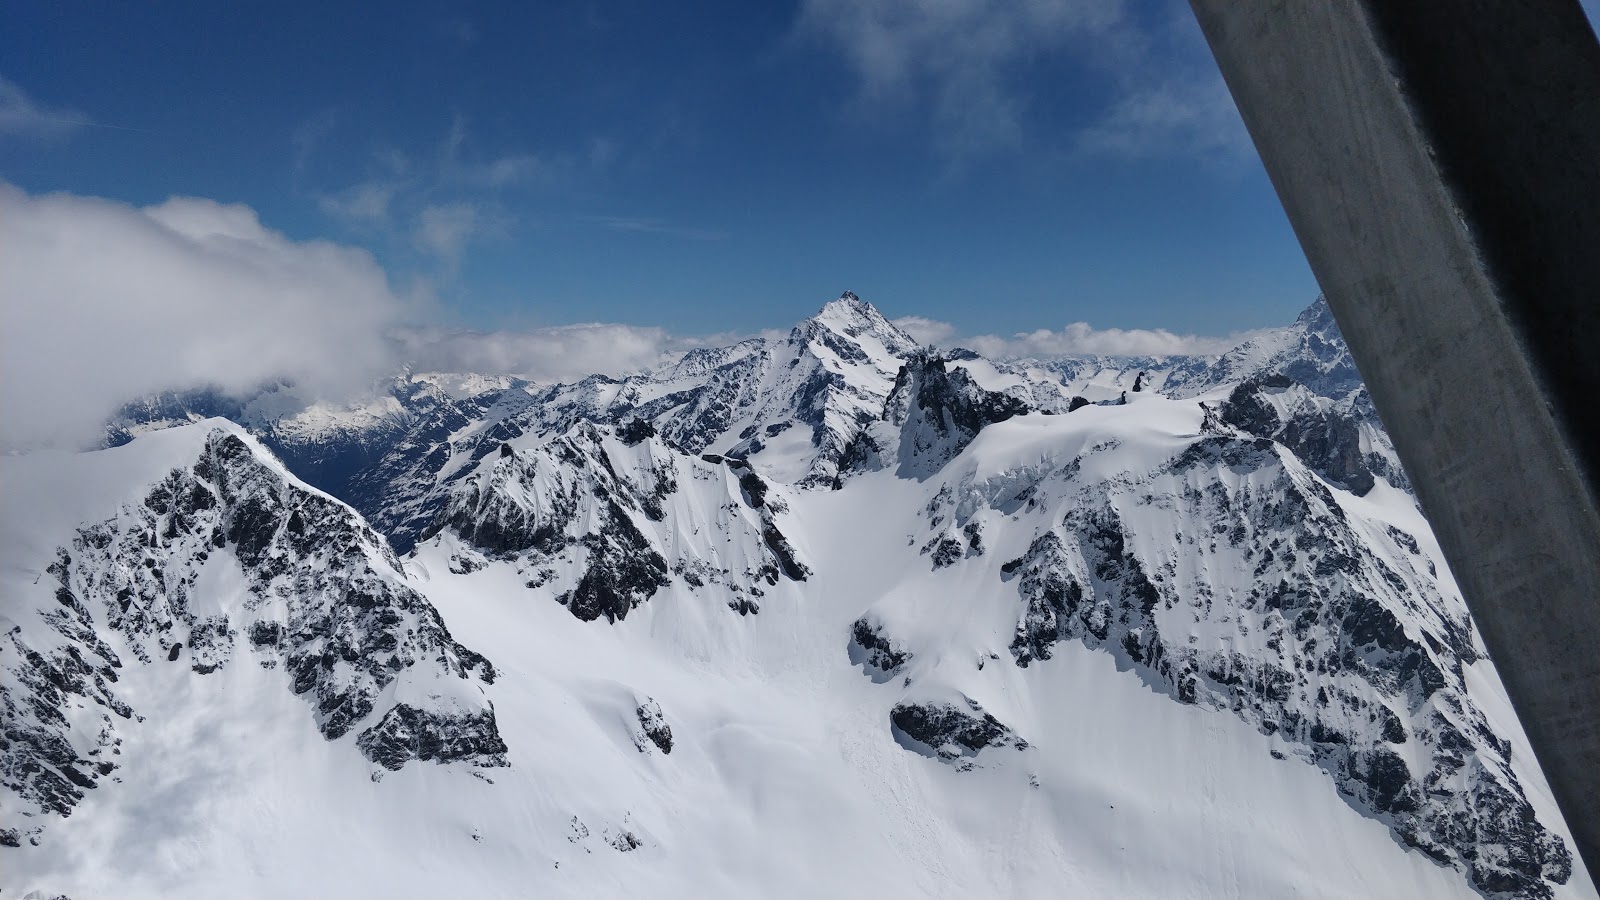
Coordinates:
1076 339
558 353
101 302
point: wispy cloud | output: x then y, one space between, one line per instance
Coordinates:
309 136
459 31
952 60
444 230
645 225
964 68
22 116
457 165
1075 339
500 172
436 204
366 203
1194 117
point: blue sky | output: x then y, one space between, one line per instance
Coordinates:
717 167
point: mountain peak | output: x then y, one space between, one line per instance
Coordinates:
853 317
847 306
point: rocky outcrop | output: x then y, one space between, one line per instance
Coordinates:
1323 434
1336 640
879 655
604 524
322 596
953 731
938 411
653 727
406 733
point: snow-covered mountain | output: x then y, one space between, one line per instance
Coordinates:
829 613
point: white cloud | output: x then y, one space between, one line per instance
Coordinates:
102 302
22 116
926 331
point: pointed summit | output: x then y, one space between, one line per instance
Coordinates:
852 317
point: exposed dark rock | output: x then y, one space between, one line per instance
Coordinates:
950 731
624 841
624 571
349 622
570 499
406 733
635 430
881 656
653 726
1339 674
1328 440
788 563
940 410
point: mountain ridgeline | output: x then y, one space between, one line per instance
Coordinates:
1232 534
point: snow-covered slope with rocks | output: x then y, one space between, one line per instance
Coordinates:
226 556
825 597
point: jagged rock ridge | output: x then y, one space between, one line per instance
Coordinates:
1232 577
605 523
323 598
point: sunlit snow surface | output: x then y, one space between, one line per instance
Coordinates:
785 779
886 558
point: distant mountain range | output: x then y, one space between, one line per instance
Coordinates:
825 614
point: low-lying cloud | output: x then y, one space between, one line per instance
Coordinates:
554 354
1076 339
926 331
102 302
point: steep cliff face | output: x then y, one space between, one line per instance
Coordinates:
937 411
606 519
227 557
1232 577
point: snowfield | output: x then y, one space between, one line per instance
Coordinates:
936 637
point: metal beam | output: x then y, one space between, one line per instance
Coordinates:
1440 164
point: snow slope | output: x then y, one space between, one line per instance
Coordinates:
1162 644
